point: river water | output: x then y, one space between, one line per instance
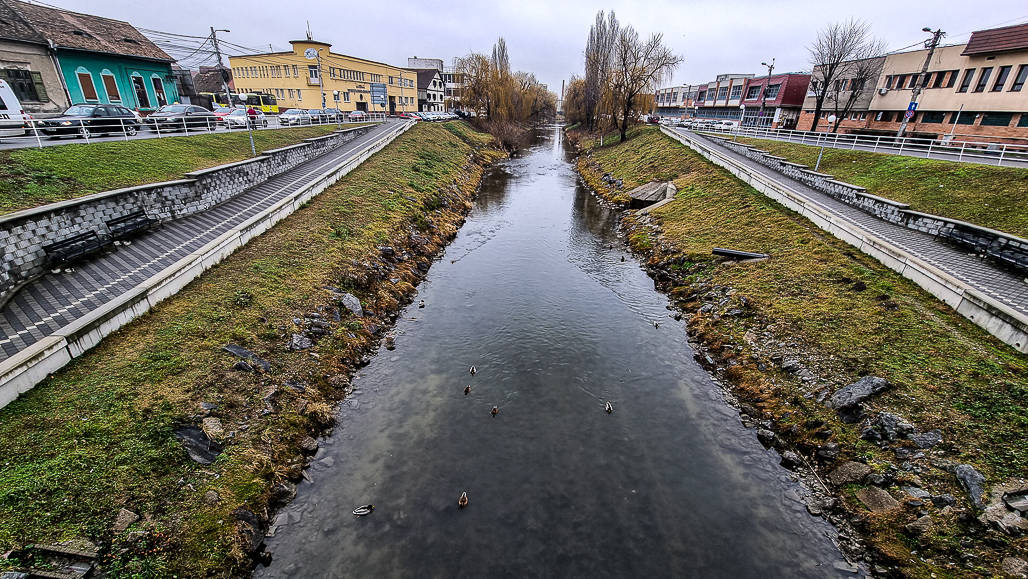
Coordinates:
671 484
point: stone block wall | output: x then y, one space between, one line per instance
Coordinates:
24 234
1007 249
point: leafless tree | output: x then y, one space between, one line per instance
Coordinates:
836 45
598 58
857 79
638 67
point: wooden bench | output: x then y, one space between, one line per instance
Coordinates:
128 225
74 248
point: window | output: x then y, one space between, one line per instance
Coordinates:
86 84
295 73
926 80
900 79
966 82
964 118
111 86
290 93
888 81
1001 78
997 119
933 116
1023 122
26 84
722 93
913 81
983 79
952 78
702 95
736 91
772 91
299 95
1022 75
939 77
142 98
312 73
346 97
158 90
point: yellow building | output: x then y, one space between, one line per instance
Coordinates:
296 79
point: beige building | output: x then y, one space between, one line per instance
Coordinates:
296 79
974 91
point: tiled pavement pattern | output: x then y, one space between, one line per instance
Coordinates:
1001 284
55 300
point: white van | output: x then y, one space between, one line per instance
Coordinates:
12 117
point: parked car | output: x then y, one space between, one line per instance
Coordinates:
332 115
295 117
408 116
357 115
222 112
181 118
238 118
89 120
12 118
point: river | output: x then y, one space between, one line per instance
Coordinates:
539 294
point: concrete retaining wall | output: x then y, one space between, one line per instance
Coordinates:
1010 250
27 368
24 234
997 318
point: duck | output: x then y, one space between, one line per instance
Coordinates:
363 510
421 304
467 389
622 258
463 500
656 324
473 370
608 407
495 410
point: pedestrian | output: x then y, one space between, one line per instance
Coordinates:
251 115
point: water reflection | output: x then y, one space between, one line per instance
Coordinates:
669 484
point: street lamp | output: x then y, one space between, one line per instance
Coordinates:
763 95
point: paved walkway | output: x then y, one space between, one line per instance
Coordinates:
56 300
1001 284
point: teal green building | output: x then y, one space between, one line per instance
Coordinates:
101 60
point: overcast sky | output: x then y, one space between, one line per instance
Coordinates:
547 37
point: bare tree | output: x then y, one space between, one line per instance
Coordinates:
856 80
638 68
835 45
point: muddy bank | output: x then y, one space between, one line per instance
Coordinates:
912 493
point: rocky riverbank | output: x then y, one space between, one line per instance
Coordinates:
863 384
168 448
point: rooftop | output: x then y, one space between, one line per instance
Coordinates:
995 40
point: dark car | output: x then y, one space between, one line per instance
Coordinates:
91 120
181 118
332 115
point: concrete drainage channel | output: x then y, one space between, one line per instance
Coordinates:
21 372
1001 321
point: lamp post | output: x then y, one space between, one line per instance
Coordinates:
224 83
763 93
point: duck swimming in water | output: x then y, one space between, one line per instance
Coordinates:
608 407
495 410
473 370
363 510
467 389
463 500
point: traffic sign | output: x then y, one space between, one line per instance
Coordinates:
908 115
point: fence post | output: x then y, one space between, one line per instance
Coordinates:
903 141
35 131
157 127
185 129
124 132
930 144
1002 151
961 156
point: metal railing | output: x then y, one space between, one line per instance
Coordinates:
947 148
39 133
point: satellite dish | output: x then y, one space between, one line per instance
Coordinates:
310 54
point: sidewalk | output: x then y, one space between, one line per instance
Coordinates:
1000 284
57 300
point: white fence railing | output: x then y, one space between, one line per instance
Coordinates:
40 132
948 147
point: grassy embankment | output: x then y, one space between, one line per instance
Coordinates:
842 315
33 177
989 196
98 436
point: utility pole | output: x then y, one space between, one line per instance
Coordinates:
912 107
763 93
321 82
403 101
224 84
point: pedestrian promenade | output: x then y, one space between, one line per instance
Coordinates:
56 300
1001 284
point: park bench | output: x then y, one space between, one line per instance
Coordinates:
1010 255
127 225
74 248
967 239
